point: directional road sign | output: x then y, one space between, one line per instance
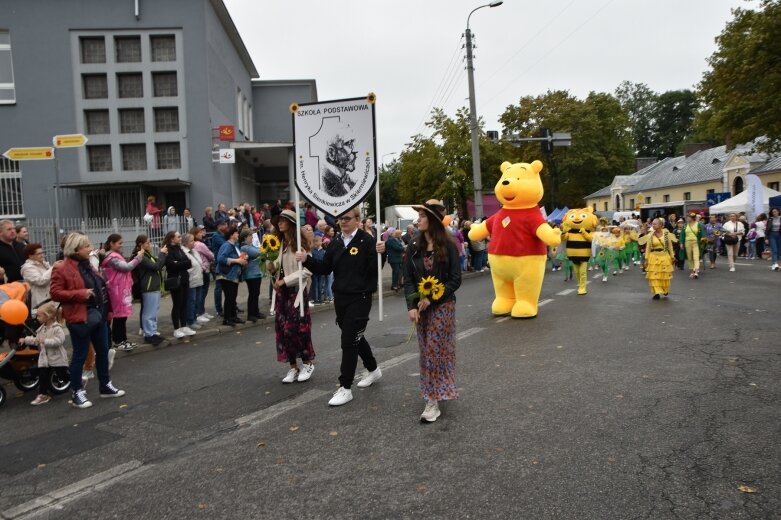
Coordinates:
43 153
69 141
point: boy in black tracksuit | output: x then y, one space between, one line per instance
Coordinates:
355 279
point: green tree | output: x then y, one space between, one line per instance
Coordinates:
673 117
440 166
640 102
740 91
601 142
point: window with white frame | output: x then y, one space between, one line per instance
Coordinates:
133 156
7 89
11 200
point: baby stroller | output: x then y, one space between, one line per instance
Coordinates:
20 365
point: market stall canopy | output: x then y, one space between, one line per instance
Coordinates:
740 202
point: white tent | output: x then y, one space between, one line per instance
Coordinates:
740 202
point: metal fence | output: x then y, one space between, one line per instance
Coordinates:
44 232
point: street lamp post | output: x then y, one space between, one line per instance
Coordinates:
476 175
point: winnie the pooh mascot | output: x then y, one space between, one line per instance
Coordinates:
519 235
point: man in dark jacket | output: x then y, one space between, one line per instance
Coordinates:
352 257
11 253
216 243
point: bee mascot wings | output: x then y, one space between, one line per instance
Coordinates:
519 235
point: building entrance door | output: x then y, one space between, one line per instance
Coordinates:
176 199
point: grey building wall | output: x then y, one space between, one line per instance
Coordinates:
272 117
49 98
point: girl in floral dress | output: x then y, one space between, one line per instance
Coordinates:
432 274
293 331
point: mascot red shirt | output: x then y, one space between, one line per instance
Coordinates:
514 232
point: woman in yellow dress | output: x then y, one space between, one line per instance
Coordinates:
659 256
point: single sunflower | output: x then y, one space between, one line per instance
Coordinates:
426 285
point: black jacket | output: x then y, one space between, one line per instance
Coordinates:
177 263
354 266
11 259
447 272
150 277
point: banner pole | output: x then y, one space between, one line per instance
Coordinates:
379 255
298 248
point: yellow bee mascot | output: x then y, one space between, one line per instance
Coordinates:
519 234
578 230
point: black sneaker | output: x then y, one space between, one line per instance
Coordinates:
238 320
110 391
79 399
260 316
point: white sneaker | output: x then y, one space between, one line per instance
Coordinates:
188 331
195 326
141 332
604 278
370 378
430 412
202 319
731 269
291 376
111 355
774 267
179 334
341 396
207 316
89 374
306 372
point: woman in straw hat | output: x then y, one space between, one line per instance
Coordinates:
432 273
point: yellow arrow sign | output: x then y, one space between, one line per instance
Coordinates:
69 141
43 153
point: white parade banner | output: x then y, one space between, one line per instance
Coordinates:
756 197
336 157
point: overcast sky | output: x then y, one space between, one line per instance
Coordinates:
410 52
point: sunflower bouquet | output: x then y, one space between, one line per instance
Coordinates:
269 251
428 287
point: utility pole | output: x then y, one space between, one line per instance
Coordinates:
476 174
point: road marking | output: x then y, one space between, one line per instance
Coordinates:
598 275
743 264
57 498
278 409
544 302
398 360
500 320
565 292
468 332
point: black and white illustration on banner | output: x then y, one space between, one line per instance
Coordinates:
335 159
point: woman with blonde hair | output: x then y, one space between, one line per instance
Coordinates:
659 258
81 290
732 233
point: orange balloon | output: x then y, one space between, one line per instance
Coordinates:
446 220
14 312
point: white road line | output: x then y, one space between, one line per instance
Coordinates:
57 498
468 332
744 264
598 275
398 360
544 302
565 292
278 409
500 320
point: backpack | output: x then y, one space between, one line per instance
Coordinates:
135 289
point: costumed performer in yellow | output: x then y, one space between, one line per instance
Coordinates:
578 231
519 234
659 258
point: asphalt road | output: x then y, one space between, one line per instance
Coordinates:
608 405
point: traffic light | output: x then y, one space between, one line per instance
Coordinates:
547 145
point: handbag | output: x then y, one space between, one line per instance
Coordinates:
172 283
730 240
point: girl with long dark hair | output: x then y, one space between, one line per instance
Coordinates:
432 274
119 282
150 281
178 282
293 331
